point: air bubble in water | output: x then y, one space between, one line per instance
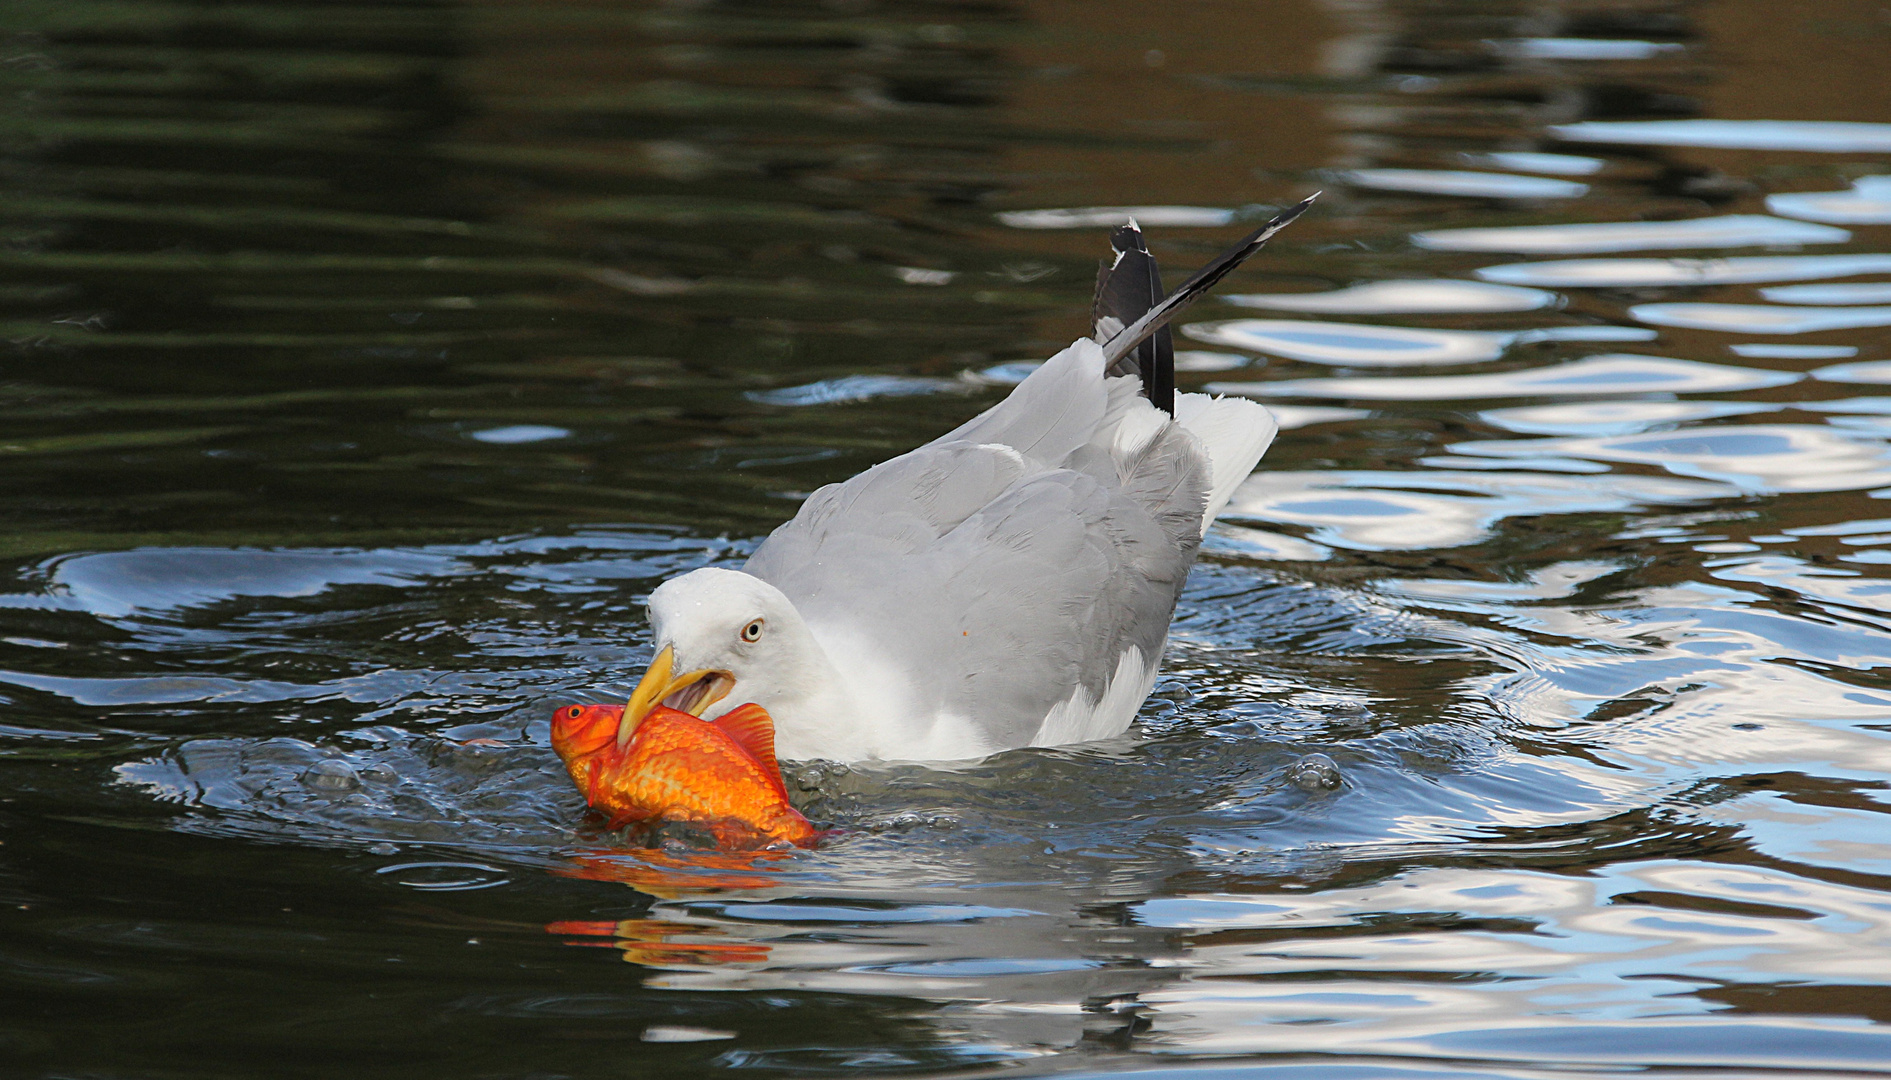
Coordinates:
1315 772
331 776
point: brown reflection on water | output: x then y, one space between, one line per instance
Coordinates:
1121 76
1803 61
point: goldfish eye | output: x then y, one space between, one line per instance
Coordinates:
574 711
753 631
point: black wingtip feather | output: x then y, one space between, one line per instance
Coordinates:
1155 320
1127 289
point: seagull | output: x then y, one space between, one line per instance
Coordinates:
1008 584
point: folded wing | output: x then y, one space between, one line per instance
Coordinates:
1002 576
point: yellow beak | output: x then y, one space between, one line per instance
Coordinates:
660 682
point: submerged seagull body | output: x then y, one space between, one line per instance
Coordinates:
1008 584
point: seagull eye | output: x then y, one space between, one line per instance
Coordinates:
753 631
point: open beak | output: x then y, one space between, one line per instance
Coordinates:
691 692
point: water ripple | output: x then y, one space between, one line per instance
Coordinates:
1403 296
1824 136
1530 161
1472 184
1403 511
1760 318
1361 345
1654 273
1104 217
1761 458
1867 203
1734 231
1622 373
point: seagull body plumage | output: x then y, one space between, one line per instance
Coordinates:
1008 584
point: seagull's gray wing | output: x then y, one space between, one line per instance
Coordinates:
1050 414
900 507
1059 577
1000 615
885 516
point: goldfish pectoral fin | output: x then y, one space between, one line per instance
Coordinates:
754 731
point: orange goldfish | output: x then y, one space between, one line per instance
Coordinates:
721 774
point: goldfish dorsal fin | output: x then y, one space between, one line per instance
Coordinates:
754 731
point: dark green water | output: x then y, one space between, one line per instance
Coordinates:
365 366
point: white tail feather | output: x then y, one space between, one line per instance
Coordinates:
1235 432
1079 719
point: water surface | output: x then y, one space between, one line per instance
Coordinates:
367 365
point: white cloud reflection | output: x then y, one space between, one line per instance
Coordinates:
1742 230
1619 373
1654 273
1758 458
1439 295
1365 345
1827 136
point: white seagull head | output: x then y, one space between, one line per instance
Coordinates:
726 638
